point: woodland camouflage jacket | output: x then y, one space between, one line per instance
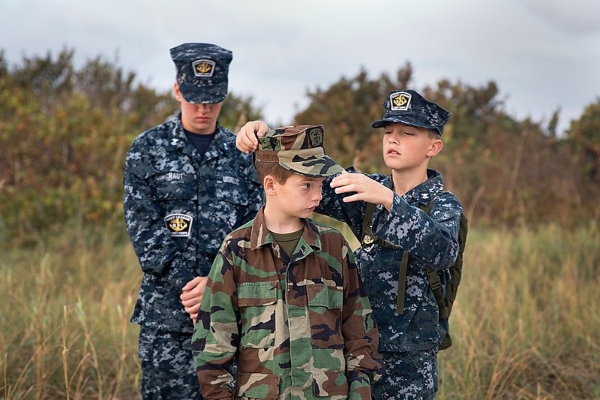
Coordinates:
302 325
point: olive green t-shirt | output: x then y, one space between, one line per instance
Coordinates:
288 241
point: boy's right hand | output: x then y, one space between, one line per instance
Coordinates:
246 140
191 296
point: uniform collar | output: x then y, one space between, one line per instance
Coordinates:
179 140
261 236
426 191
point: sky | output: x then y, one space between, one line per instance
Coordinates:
543 55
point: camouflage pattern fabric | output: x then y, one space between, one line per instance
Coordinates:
432 241
298 149
300 327
178 209
410 375
202 71
169 372
410 108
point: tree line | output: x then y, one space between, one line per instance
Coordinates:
64 132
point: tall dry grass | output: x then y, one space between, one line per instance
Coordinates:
65 331
526 324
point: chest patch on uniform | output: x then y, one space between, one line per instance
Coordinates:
231 179
179 225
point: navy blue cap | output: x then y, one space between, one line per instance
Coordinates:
202 71
410 108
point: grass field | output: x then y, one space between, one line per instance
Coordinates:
526 324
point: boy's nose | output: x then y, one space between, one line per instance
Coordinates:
319 195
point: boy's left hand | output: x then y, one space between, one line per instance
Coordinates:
362 188
246 140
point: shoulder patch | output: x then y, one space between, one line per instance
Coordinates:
179 225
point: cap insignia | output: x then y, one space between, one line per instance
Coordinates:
400 101
316 137
203 68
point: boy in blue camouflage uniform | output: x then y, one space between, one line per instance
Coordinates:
410 327
284 299
186 187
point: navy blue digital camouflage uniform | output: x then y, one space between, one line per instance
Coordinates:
178 208
408 341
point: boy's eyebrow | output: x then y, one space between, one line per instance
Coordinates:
311 178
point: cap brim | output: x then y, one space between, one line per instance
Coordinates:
314 167
386 121
195 94
380 123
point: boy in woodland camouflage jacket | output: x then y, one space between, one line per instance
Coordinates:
284 300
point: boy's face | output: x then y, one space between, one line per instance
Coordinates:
297 197
407 148
198 118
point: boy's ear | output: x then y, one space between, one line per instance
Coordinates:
269 185
436 146
176 91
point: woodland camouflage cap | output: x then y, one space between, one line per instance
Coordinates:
202 71
298 149
410 108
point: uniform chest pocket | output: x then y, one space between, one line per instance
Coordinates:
174 186
257 386
176 198
232 189
231 202
331 384
257 304
325 315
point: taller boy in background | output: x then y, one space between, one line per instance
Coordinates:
186 187
410 327
284 298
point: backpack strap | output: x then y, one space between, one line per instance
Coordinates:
402 283
456 269
367 234
368 238
434 279
436 287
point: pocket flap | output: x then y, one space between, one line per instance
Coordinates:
330 383
257 386
253 294
325 296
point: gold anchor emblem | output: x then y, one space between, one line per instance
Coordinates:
400 101
203 68
178 224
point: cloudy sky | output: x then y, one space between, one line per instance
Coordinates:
542 54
